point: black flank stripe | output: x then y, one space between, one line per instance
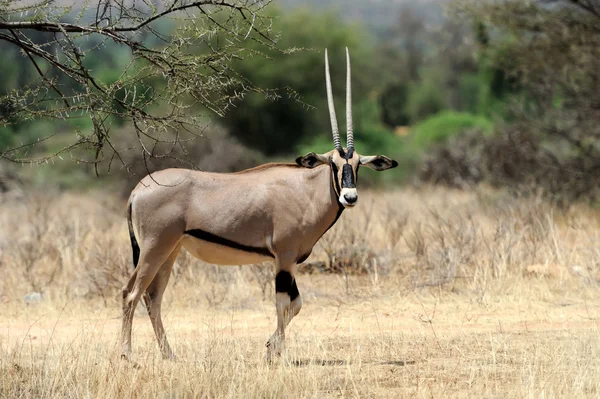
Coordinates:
206 236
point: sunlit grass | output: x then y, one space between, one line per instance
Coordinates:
437 297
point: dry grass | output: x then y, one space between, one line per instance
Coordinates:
437 293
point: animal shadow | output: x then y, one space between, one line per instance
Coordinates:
337 362
396 362
317 362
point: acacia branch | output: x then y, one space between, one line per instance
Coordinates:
192 68
48 26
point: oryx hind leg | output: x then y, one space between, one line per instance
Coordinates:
150 261
288 305
153 301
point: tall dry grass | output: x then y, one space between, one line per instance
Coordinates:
70 246
427 292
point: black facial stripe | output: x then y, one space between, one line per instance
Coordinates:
356 177
348 176
336 182
206 236
285 283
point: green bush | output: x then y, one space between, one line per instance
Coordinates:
446 124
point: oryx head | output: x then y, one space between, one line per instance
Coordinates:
344 162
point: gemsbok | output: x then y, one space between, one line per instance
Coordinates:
273 212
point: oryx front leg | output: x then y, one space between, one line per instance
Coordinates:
288 304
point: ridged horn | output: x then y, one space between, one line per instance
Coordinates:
349 132
334 125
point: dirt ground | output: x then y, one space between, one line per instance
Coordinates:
384 344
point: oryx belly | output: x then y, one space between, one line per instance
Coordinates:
224 253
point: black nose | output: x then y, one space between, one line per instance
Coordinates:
350 198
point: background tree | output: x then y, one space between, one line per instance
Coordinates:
509 90
404 51
277 126
549 50
164 74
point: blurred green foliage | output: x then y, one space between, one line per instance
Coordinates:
437 82
427 96
444 125
541 59
6 137
299 110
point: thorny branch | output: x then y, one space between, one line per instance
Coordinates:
175 78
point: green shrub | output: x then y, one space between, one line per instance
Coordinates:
446 124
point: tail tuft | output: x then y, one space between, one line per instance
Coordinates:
135 248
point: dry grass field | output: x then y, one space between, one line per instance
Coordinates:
415 293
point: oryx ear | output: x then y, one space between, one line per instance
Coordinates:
311 160
378 162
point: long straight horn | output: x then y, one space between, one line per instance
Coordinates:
349 132
334 125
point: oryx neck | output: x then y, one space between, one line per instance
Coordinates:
322 182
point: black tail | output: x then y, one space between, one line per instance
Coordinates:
135 248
